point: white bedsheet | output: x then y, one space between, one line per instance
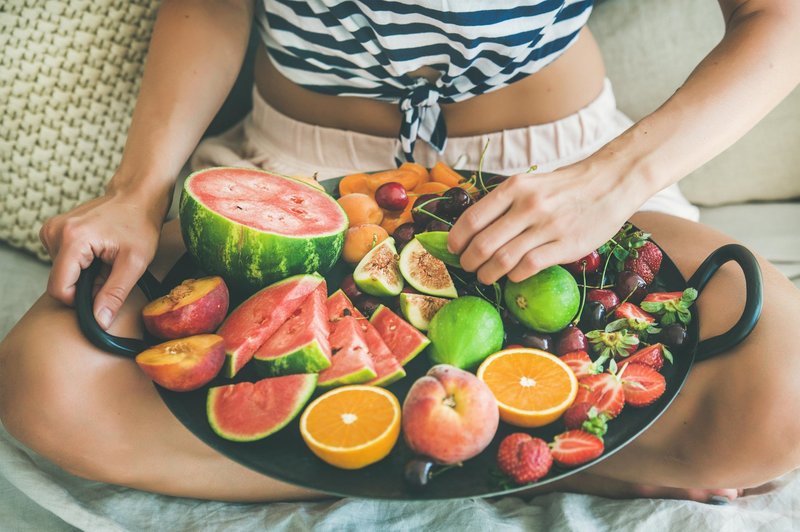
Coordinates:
40 497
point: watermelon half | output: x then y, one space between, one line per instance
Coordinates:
250 411
350 362
251 323
253 228
387 368
403 339
301 344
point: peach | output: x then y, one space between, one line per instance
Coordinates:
449 415
185 364
195 306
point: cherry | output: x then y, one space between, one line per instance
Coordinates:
403 235
534 340
421 218
418 472
437 225
494 181
593 317
571 339
608 298
350 288
592 261
631 286
674 335
456 203
367 304
391 196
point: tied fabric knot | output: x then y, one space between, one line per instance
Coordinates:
422 118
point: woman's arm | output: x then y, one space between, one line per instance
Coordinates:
195 54
530 224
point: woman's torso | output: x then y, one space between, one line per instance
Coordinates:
565 85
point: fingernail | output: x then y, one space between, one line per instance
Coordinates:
104 318
719 500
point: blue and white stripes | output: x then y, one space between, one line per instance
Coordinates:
367 48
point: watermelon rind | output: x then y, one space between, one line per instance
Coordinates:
309 358
403 357
359 377
236 357
249 258
306 384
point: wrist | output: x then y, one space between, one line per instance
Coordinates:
151 193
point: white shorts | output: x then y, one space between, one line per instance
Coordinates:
273 141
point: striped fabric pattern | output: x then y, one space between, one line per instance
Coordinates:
367 48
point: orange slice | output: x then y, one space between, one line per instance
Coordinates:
532 388
353 426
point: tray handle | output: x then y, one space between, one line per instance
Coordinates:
127 347
754 293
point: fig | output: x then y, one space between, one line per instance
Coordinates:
425 272
378 274
435 243
419 309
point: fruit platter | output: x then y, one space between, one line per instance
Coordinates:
324 335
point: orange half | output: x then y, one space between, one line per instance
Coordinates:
532 388
353 426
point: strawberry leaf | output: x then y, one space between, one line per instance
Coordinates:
667 353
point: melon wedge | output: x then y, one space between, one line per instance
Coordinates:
254 321
405 341
387 368
350 362
250 411
301 344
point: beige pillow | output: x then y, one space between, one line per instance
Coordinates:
69 76
650 47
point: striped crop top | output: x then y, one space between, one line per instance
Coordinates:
367 48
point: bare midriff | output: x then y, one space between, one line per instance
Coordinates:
560 89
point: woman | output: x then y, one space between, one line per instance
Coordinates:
327 100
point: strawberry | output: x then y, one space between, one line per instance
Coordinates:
575 447
524 458
642 384
652 355
645 261
672 307
609 344
579 362
630 311
585 417
603 391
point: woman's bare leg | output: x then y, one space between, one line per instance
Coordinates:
732 426
98 416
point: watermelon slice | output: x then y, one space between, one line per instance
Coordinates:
251 411
255 320
387 367
254 228
405 341
351 362
301 344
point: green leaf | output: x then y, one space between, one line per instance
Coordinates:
612 366
667 353
689 295
617 325
668 319
654 307
620 254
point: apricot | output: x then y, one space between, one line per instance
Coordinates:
361 209
353 183
430 187
393 220
407 178
421 171
360 239
442 173
312 181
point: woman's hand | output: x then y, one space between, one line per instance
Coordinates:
119 230
531 222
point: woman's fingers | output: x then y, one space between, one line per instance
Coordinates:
67 266
535 261
509 256
485 243
477 218
125 271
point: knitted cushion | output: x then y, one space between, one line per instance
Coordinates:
69 76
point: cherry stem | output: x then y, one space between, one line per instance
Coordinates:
583 297
480 169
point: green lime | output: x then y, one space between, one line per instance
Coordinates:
464 332
545 302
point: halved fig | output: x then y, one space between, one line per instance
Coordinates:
377 273
418 309
425 272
